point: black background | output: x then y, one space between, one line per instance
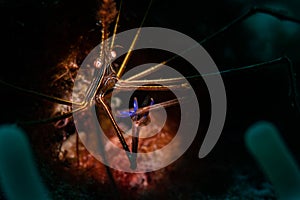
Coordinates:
36 35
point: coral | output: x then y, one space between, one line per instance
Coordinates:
267 147
19 176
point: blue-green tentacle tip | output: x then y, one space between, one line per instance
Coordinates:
19 177
267 147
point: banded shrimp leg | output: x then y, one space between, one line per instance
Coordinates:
129 82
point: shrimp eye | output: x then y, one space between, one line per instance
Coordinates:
98 63
113 54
